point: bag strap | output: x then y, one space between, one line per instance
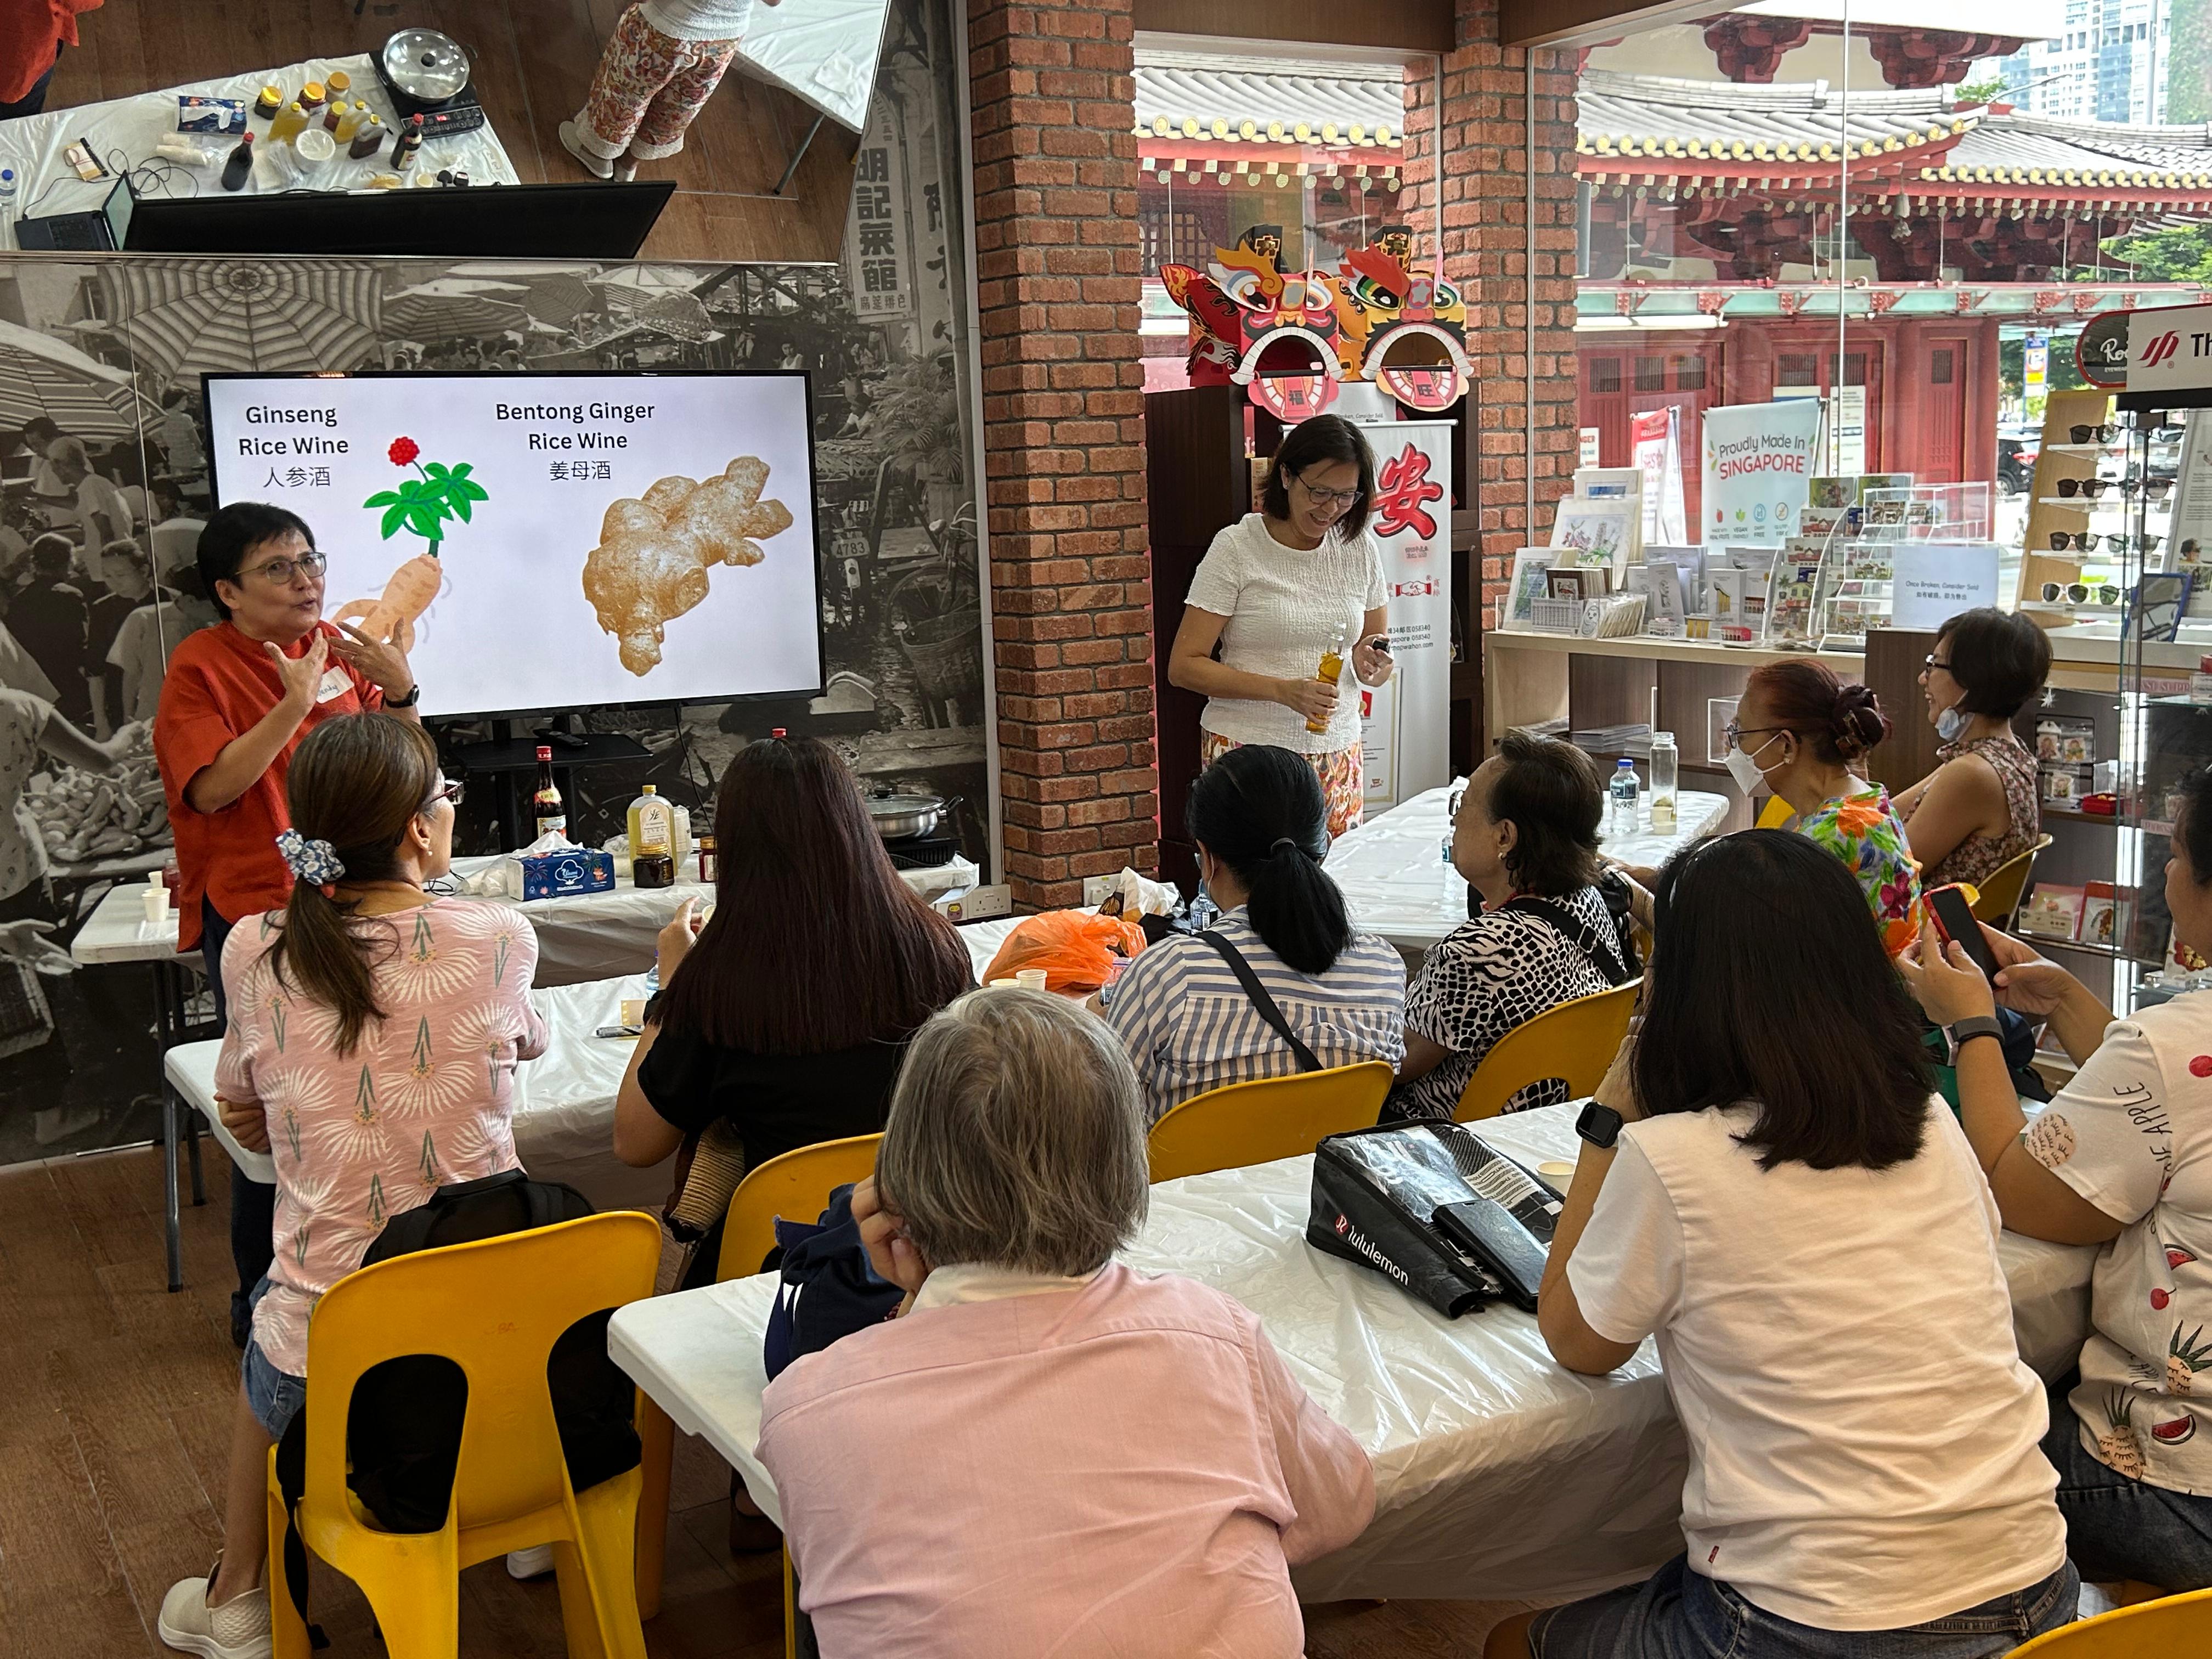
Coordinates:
1603 955
1262 1001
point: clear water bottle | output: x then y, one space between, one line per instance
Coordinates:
1665 760
9 183
1623 788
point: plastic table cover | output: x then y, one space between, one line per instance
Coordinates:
46 184
822 52
1498 1475
1399 883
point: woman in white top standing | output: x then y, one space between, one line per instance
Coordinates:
1278 590
1793 1212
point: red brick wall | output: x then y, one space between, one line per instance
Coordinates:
1484 141
1056 259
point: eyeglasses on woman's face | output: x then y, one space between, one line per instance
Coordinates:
1732 734
1329 497
451 792
278 573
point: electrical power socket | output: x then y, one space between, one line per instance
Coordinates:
1095 890
980 904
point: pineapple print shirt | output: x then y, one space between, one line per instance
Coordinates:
2132 1134
426 1099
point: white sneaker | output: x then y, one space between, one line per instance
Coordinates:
533 1563
597 166
239 1629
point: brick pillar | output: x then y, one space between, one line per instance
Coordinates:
1482 127
1057 278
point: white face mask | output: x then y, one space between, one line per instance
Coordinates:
1750 776
1951 722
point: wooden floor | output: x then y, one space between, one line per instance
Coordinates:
534 60
113 1445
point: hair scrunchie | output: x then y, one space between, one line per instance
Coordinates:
315 862
1282 841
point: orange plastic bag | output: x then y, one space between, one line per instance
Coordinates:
1078 950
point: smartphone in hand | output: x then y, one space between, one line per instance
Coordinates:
1954 921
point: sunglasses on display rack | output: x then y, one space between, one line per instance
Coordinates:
2092 487
2094 435
2079 593
2151 489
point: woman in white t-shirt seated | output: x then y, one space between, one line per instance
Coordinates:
1278 590
2123 1158
1524 833
1793 1212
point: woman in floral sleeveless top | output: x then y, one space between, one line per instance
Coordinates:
1978 809
374 1032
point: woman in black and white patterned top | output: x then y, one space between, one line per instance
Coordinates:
1525 828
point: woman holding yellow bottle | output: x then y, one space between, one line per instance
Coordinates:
1288 593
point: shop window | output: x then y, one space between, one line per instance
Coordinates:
1796 368
1650 373
1690 373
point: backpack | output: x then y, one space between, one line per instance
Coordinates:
403 1424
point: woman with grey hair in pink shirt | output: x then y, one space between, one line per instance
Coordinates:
1046 1451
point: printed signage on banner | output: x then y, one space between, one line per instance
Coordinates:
1656 448
1406 725
2189 531
875 225
1758 468
1586 452
1932 582
2170 349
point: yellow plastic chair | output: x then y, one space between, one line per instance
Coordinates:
494 1308
2176 1624
795 1186
2000 893
1268 1118
1576 1041
1775 814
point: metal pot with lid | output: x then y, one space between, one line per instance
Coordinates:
899 815
426 65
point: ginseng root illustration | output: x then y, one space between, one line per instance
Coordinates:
654 553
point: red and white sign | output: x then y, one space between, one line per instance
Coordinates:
2170 349
1406 725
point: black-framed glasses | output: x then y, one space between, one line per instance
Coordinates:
2093 435
452 793
2064 541
1732 734
1931 661
278 573
2092 487
1329 497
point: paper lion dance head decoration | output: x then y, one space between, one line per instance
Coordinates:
1291 338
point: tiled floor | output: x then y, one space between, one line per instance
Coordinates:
113 1447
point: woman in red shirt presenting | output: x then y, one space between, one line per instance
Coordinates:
235 702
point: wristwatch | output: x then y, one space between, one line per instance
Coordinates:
414 695
1966 1031
1599 1125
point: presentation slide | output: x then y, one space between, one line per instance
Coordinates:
549 541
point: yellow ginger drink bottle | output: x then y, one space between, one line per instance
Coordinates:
290 122
1331 670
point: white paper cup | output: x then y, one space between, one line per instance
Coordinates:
1030 978
1553 1171
316 148
156 901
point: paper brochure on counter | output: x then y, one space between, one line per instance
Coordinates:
1934 581
544 541
1405 728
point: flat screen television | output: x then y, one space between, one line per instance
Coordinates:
607 221
570 541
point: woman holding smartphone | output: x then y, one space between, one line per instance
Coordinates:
1277 591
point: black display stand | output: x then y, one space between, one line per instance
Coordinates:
502 758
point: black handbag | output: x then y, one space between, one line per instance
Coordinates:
1437 1209
827 1288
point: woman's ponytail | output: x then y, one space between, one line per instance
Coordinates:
1260 811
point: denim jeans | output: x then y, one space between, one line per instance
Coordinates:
1679 1615
276 1396
2120 1528
252 1204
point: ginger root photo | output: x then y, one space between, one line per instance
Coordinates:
654 553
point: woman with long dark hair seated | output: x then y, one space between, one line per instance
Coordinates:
788 1013
2122 1158
1799 1219
1259 818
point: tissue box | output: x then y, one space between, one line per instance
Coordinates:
198 114
568 870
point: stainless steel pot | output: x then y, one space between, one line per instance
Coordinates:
899 816
428 66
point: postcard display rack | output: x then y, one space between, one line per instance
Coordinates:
1853 590
2110 760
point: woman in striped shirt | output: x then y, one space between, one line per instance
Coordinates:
1257 815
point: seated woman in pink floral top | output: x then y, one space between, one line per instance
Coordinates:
373 1035
1800 732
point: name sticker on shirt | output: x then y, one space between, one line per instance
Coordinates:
335 683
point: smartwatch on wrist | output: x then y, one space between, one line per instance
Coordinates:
414 695
1966 1031
1599 1125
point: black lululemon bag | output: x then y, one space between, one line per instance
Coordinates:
1434 1208
403 1425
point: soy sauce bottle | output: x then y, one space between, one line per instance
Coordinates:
239 167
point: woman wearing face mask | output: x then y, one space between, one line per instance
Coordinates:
1278 590
1799 733
1980 807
